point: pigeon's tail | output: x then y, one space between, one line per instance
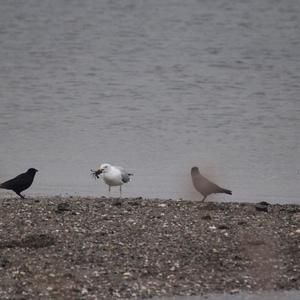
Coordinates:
225 191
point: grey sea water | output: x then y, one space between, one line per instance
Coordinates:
157 87
271 295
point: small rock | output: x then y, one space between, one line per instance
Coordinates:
61 207
264 203
291 210
206 217
37 241
3 261
242 223
117 202
296 217
237 257
96 274
262 206
134 203
127 274
223 227
256 242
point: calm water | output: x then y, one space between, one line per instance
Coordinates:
157 87
272 295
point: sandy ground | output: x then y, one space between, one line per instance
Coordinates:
87 248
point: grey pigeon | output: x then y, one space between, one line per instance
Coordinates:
204 186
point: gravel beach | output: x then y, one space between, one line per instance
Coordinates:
88 248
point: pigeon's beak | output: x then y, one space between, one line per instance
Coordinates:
100 171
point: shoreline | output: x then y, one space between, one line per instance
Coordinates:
101 248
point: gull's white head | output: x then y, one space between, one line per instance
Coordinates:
104 168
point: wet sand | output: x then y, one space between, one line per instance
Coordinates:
87 248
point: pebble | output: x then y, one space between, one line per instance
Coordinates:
261 207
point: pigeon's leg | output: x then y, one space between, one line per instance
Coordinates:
204 198
120 191
109 191
20 195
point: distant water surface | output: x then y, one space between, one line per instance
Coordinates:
157 87
271 295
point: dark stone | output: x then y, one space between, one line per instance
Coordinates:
242 223
134 203
223 226
37 241
256 243
261 207
292 210
64 206
30 241
4 262
237 257
117 202
264 203
206 217
9 244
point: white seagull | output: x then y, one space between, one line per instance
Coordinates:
112 175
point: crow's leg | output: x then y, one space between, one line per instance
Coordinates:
19 194
204 198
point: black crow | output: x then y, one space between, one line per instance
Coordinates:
20 183
204 186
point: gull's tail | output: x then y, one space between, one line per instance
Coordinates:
129 175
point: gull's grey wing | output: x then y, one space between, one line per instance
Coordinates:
125 175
